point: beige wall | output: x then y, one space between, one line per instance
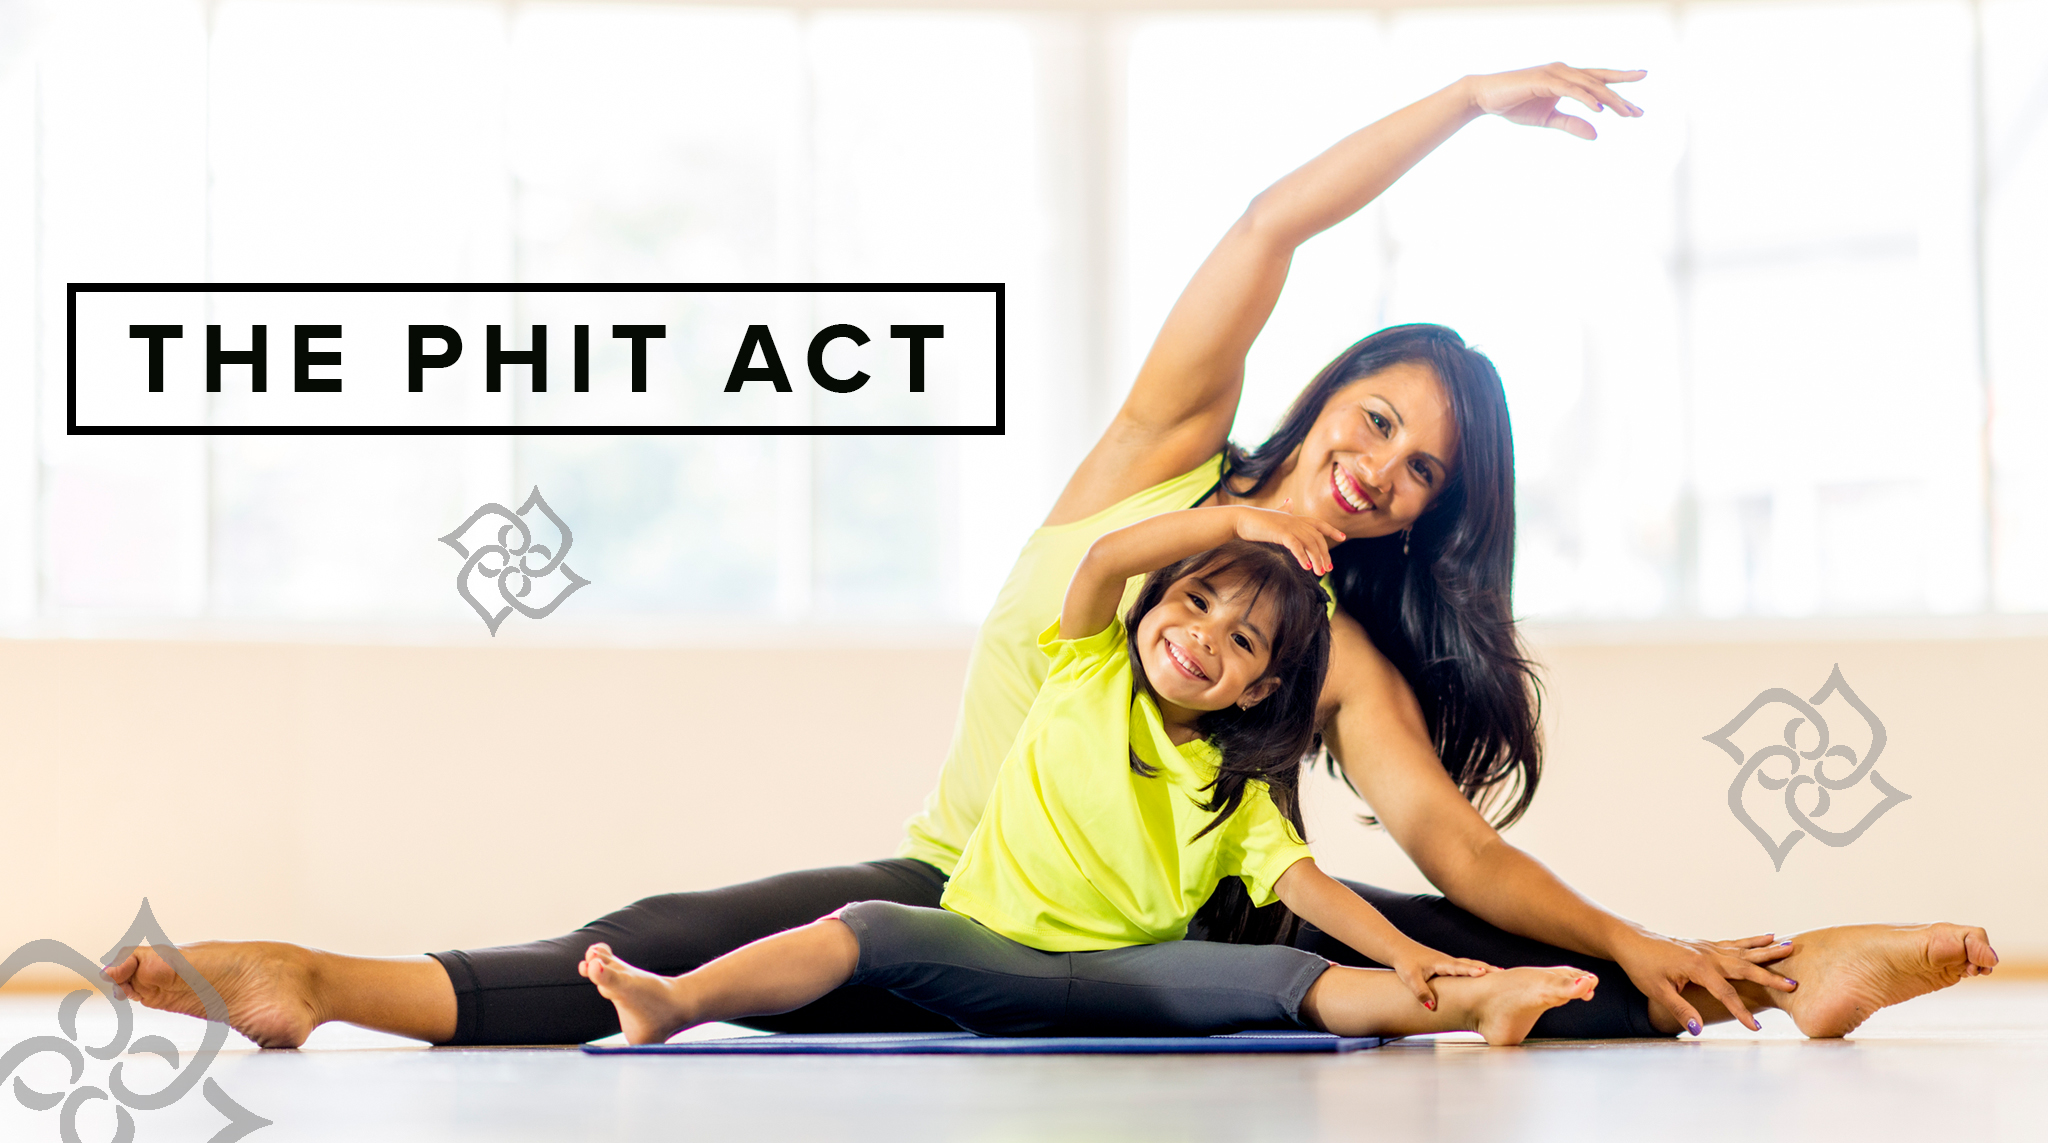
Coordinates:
389 799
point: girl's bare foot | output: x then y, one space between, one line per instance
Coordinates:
1847 973
650 1007
269 987
1503 1006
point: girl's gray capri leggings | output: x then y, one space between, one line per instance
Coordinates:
992 985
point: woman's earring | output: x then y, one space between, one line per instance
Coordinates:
1404 539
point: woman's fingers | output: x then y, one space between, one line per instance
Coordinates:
1764 976
1725 992
1674 1003
1754 942
1609 75
1572 125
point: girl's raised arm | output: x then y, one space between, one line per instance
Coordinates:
1183 401
1153 543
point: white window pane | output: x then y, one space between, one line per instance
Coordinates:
657 143
122 171
124 526
1553 256
2016 93
882 543
1836 404
347 528
668 526
663 144
359 141
1220 107
929 168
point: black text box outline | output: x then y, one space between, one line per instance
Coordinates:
72 427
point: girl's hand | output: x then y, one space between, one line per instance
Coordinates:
1307 538
1416 966
1530 96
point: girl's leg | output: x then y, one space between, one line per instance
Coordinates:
1617 1009
1501 1006
531 993
772 975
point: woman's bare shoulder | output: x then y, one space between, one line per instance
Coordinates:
1363 683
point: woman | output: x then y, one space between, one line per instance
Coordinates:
1403 445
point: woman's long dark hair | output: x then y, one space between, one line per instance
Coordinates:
1439 613
1269 741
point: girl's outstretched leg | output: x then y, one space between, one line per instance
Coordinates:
774 974
1501 1006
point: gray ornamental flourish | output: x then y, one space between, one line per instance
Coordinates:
144 930
513 561
1794 781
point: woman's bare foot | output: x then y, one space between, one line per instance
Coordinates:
1847 973
269 987
650 1007
1502 1006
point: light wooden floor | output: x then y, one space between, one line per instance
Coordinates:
1969 1064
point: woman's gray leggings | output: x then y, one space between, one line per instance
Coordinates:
987 983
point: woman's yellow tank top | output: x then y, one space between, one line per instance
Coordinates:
1006 668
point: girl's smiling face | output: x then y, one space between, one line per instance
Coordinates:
1381 450
1207 645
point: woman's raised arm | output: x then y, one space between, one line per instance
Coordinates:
1185 396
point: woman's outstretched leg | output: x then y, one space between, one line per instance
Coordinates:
770 976
1849 972
531 993
1501 1006
1844 973
278 993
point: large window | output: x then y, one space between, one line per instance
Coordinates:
1774 349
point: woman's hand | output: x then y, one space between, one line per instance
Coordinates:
1415 966
1530 96
1662 966
1309 539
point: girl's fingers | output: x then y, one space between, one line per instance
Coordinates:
1609 75
1754 942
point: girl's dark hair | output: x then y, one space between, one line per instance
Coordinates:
1268 742
1440 613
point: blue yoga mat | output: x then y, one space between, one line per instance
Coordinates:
967 1043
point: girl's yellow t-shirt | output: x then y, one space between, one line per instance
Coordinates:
1005 667
1076 851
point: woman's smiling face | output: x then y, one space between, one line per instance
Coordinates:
1381 450
1206 644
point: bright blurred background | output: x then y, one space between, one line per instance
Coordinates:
1774 350
1776 353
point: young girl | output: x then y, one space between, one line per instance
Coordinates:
1159 758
